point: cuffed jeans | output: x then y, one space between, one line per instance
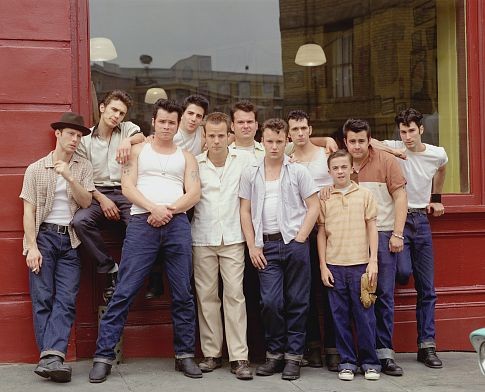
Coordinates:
140 249
418 252
53 292
285 294
345 302
88 223
384 306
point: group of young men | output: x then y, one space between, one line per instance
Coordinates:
256 199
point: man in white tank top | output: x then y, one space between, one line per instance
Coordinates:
314 158
279 208
218 246
54 188
190 136
162 182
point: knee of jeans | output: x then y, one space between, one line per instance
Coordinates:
81 220
272 305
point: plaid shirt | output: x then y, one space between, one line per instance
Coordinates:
40 185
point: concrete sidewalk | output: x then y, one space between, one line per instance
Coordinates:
460 373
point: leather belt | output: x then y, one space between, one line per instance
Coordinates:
417 210
272 237
53 227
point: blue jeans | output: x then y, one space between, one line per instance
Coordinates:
140 249
384 306
418 252
285 294
313 337
345 302
53 292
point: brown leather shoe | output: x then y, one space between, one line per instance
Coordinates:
242 370
208 364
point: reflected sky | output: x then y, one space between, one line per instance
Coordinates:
235 33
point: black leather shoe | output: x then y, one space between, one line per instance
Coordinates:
429 358
208 364
390 367
332 361
188 367
53 367
312 358
270 367
99 372
242 370
291 370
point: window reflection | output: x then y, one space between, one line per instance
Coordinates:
382 56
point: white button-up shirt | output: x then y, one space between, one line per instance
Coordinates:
216 218
296 185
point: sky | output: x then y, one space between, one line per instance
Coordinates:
235 33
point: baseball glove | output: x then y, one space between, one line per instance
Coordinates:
367 292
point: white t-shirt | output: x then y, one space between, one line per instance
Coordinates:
60 213
419 169
189 142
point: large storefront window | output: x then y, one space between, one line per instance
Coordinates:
381 57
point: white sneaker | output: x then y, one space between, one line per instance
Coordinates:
372 374
346 375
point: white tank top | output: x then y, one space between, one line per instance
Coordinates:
189 142
270 207
318 169
160 177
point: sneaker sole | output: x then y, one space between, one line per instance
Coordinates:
373 378
289 378
41 371
346 378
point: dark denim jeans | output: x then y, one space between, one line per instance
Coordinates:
53 291
345 303
313 336
285 295
384 306
88 223
140 250
418 251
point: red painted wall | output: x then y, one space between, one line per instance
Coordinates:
45 71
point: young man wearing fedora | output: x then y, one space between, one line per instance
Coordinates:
54 188
107 147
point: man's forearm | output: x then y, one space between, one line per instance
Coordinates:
400 210
81 195
439 180
138 138
186 202
308 223
247 228
373 238
29 229
136 197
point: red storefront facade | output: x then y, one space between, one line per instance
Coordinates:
44 63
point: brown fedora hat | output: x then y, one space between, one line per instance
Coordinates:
73 121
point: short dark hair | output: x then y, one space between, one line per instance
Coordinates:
198 100
356 125
245 106
169 105
276 125
298 115
408 116
217 118
120 95
339 154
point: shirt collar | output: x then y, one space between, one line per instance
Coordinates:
95 132
203 156
49 159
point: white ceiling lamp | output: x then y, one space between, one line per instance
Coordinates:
154 94
310 55
102 49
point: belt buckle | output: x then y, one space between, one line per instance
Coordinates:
61 231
